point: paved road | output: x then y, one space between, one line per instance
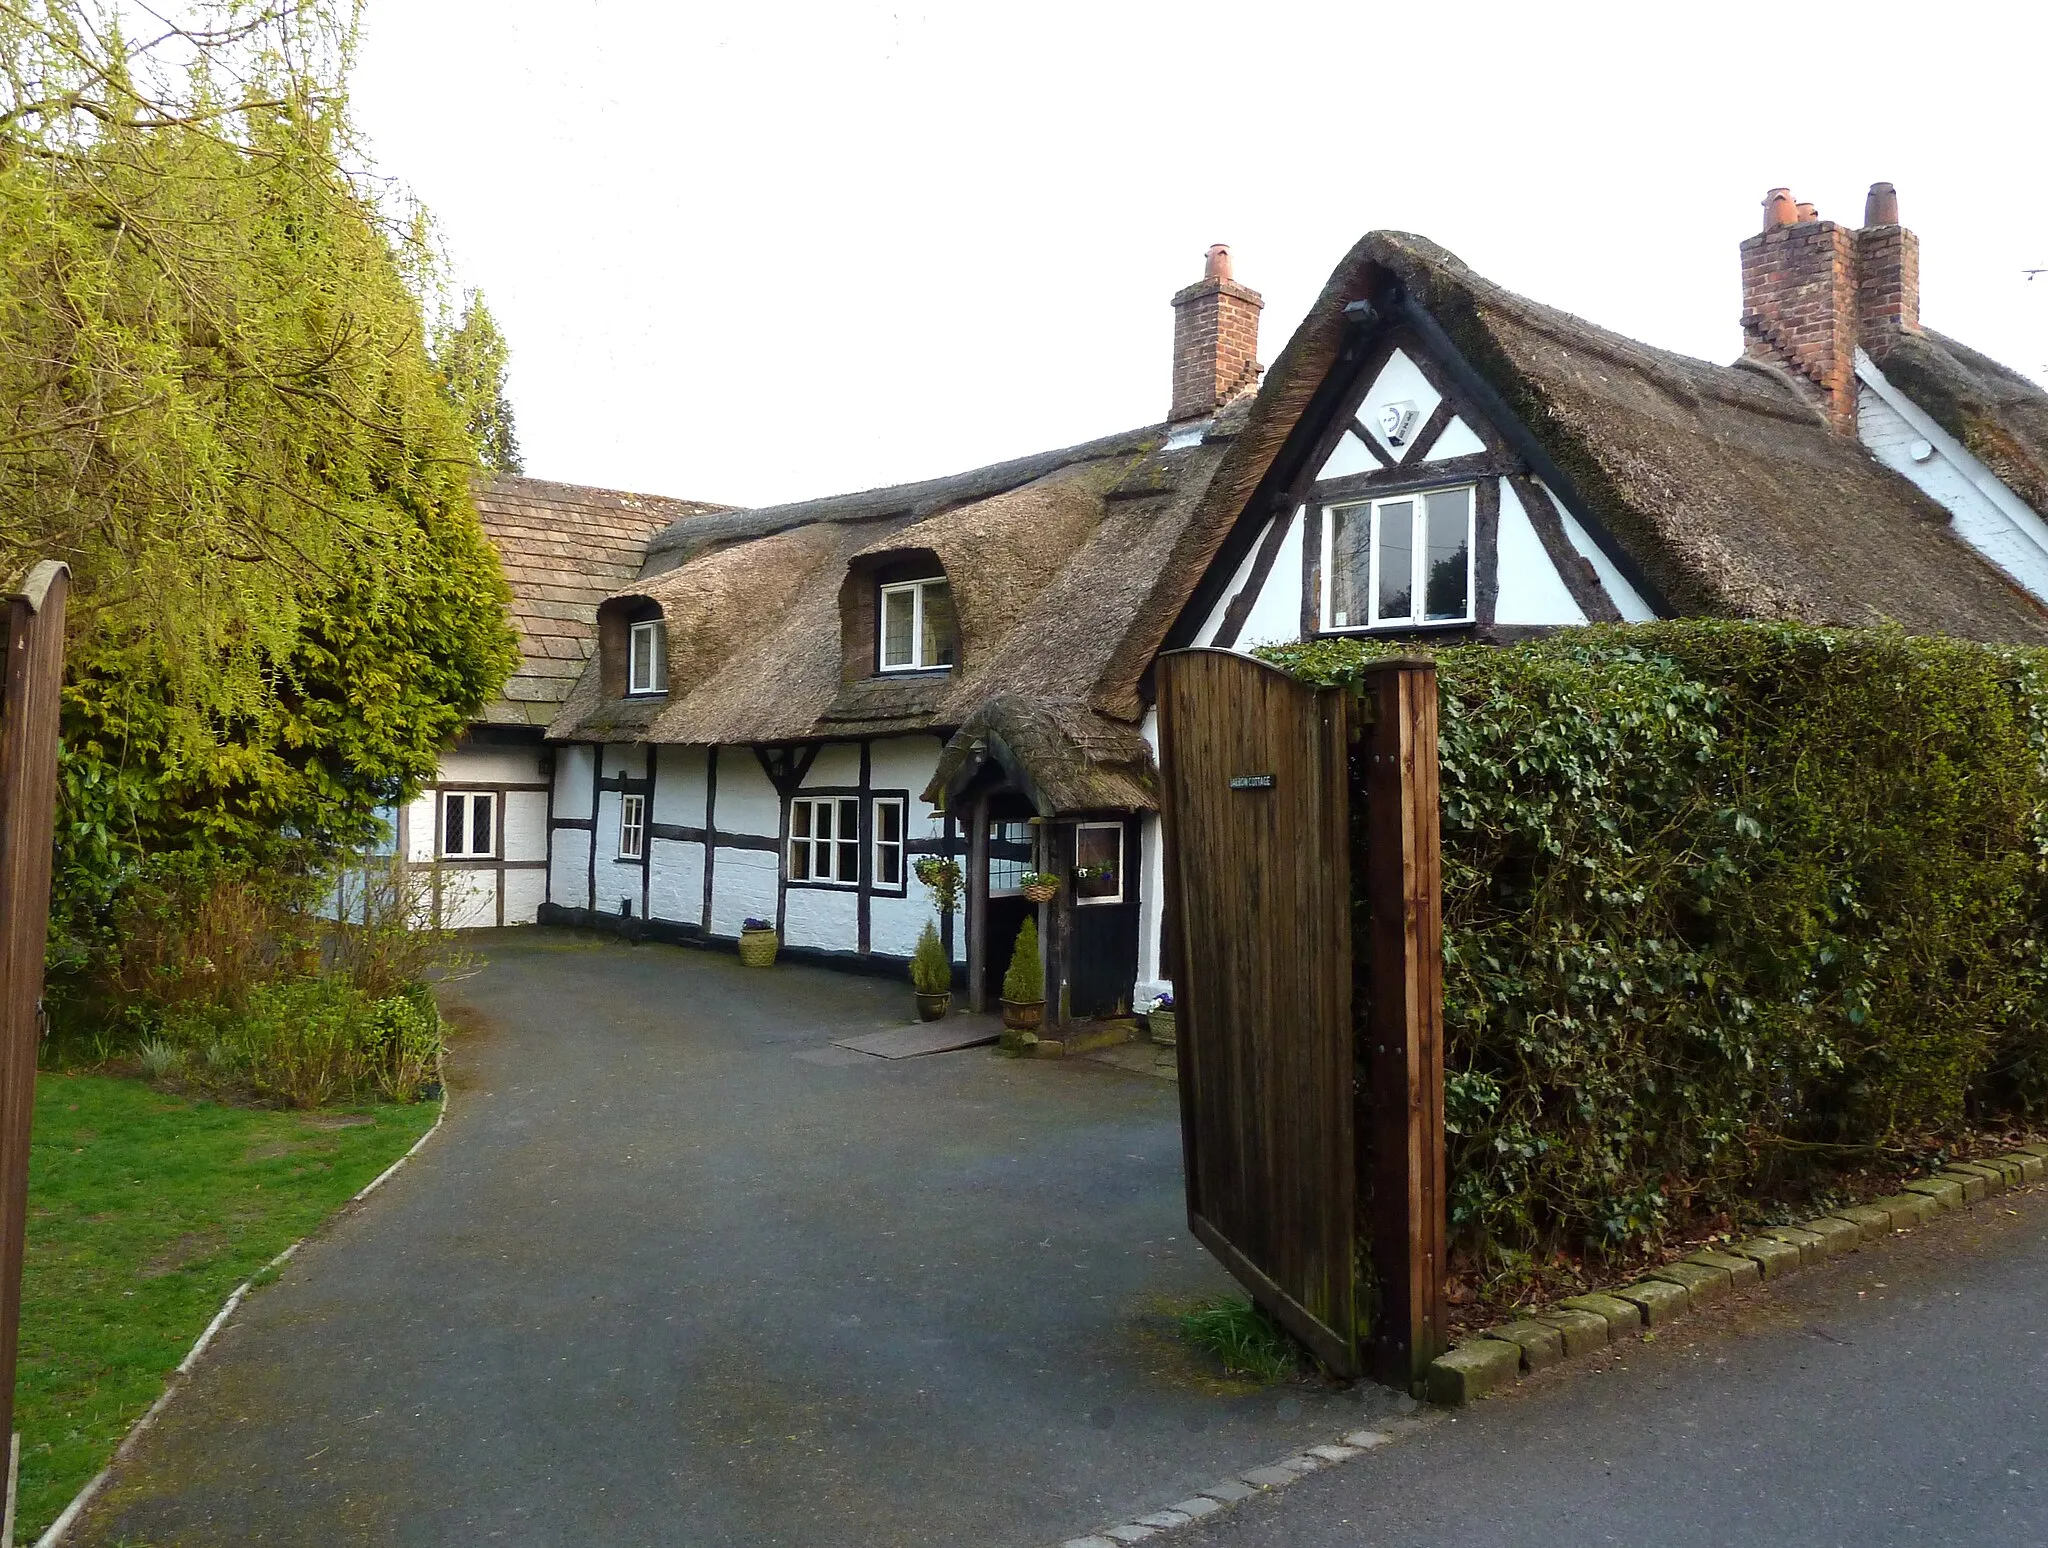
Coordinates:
678 1272
1895 1397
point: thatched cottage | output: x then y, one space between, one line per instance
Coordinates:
774 712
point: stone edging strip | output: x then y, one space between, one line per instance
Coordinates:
1579 1324
1251 1482
85 1496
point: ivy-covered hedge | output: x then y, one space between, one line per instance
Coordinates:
1724 904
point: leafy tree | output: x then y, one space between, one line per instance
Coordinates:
217 404
471 358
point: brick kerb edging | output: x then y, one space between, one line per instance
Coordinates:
85 1496
1580 1324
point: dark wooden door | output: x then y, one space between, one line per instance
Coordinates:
1258 874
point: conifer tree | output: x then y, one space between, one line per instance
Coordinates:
471 358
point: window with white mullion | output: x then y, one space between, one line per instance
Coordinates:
469 824
916 626
824 840
887 870
647 657
632 827
1403 561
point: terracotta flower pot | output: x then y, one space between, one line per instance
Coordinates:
1024 1015
757 948
931 1007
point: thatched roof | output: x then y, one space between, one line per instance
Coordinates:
1994 411
563 549
1721 487
1047 556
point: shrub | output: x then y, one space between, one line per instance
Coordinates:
1024 982
1724 904
930 972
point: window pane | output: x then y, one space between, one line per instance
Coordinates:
899 623
1009 855
480 834
800 819
821 823
1449 520
889 821
454 829
1350 530
938 625
799 848
1099 857
888 865
1397 559
849 819
660 642
849 862
637 670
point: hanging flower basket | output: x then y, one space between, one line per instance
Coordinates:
758 941
1040 886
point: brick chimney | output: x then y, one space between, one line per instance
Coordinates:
1812 290
1215 340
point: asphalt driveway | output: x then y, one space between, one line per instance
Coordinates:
678 1271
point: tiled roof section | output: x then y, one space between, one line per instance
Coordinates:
564 548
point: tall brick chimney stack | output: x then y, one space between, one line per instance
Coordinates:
1215 340
1813 290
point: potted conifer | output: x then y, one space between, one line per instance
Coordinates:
931 975
1024 983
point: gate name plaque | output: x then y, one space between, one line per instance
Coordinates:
1251 782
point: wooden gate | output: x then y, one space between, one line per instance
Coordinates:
1312 1135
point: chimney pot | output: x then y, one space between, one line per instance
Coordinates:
1808 214
1218 264
1779 210
1881 205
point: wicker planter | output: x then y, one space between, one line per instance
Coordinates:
1160 1024
930 1007
1023 1015
1042 892
757 947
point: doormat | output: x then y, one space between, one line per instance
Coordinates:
927 1037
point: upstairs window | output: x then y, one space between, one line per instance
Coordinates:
917 626
824 840
647 657
632 827
469 825
1404 561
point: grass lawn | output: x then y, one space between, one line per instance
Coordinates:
144 1211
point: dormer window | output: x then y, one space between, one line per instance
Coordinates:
916 626
647 657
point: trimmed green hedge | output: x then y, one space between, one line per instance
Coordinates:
1726 904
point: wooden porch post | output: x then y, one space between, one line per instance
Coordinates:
34 674
977 904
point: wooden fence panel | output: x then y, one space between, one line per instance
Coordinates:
28 791
1256 808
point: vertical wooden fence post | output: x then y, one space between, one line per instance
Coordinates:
1404 1027
28 798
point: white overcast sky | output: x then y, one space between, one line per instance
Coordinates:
757 252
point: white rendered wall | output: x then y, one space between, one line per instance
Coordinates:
1986 514
1206 635
1275 618
525 891
468 899
825 918
1627 600
418 823
679 786
908 763
675 881
747 802
743 884
1152 981
572 782
526 825
1531 590
490 766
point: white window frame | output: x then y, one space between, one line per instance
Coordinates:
818 862
916 663
880 848
1417 556
647 647
470 800
1121 870
632 827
